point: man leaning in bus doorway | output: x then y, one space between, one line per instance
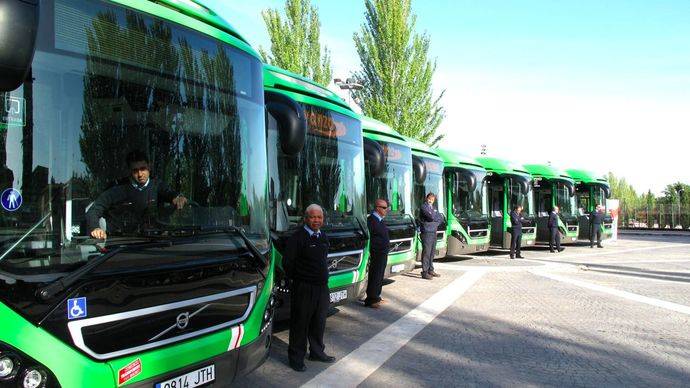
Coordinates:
516 232
554 233
378 252
139 189
306 264
431 219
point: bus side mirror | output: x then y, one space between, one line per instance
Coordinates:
291 119
419 169
18 30
374 155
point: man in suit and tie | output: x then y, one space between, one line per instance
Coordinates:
306 264
379 241
555 234
430 218
516 232
596 218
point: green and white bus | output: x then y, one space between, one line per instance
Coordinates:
173 297
388 175
591 190
553 187
427 170
322 165
467 204
508 186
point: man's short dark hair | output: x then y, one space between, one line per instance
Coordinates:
430 194
136 156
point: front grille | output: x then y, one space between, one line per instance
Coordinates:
572 228
478 232
440 236
529 230
400 245
151 327
339 262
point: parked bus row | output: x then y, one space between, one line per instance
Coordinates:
152 168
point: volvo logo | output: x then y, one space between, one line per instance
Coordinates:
396 246
335 262
182 321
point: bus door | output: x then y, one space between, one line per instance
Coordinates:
496 214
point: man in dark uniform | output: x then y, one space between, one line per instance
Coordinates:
516 232
140 190
430 218
378 253
306 263
555 235
596 218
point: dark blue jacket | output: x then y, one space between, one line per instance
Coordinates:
306 258
553 221
596 218
515 223
379 238
430 218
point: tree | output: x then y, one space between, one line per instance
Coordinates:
295 42
396 72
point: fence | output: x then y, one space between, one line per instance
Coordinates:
660 216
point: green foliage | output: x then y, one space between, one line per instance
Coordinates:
295 42
396 72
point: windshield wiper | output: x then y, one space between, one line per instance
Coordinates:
28 232
256 253
61 284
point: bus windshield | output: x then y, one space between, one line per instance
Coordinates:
432 184
395 184
468 192
521 194
107 82
566 202
328 171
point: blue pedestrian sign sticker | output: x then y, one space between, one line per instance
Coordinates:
11 200
76 308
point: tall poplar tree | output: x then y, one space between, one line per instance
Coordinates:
396 71
295 42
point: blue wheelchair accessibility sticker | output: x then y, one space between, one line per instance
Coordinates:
11 199
76 308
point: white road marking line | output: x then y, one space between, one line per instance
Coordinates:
608 252
622 294
354 368
646 261
631 276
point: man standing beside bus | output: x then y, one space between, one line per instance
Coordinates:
516 232
306 264
379 241
596 218
431 219
555 235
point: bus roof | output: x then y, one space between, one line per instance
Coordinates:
377 130
199 11
585 176
456 159
281 79
421 149
547 172
501 166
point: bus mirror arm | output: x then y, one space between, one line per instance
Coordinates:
17 41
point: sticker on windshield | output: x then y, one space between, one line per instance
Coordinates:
11 199
12 111
76 308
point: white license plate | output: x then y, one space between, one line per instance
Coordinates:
192 379
397 268
338 296
530 242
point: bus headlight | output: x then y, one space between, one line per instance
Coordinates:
34 378
7 366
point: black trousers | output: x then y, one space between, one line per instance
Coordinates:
377 268
595 234
308 310
515 242
555 239
428 251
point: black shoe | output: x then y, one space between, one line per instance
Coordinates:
519 257
552 251
600 246
325 358
591 246
426 276
512 257
298 368
561 249
434 274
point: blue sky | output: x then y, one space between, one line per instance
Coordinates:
603 85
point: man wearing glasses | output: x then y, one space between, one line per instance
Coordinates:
139 192
430 218
378 253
